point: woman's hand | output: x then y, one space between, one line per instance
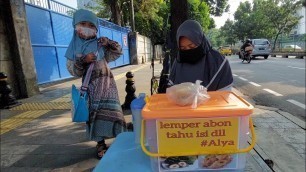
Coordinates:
114 45
103 41
91 57
108 44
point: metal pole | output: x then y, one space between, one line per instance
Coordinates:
133 20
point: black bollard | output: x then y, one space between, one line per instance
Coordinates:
6 99
130 90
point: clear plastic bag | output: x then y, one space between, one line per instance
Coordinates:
188 93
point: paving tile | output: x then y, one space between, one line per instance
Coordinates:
9 159
17 149
262 124
267 119
24 169
277 149
283 125
292 136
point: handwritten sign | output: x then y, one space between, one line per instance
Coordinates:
189 135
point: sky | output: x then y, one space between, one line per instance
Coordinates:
71 3
218 20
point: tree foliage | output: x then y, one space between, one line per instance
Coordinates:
150 19
215 37
199 11
281 15
110 9
243 25
217 7
250 22
212 24
227 33
262 19
151 16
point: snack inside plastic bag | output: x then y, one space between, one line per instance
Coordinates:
188 93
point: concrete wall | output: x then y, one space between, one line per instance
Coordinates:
144 49
159 51
16 57
300 28
141 49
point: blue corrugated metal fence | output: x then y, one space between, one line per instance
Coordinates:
50 25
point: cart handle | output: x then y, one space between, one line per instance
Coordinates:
248 149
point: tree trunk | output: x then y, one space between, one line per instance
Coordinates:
116 12
179 13
275 40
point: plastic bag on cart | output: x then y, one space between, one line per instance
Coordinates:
188 93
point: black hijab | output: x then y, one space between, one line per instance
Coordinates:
213 69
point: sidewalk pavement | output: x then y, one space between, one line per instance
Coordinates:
39 135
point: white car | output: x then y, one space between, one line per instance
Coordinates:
262 47
292 47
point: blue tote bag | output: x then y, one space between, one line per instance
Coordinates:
79 99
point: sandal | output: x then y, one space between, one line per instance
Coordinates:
101 149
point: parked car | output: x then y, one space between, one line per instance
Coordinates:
292 48
225 50
262 47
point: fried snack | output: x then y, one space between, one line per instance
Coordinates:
216 161
209 160
183 92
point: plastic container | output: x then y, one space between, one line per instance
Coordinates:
224 116
136 108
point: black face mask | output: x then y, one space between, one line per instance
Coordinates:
191 56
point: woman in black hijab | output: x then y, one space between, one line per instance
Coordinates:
197 60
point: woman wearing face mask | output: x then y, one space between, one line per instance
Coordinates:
197 60
106 118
